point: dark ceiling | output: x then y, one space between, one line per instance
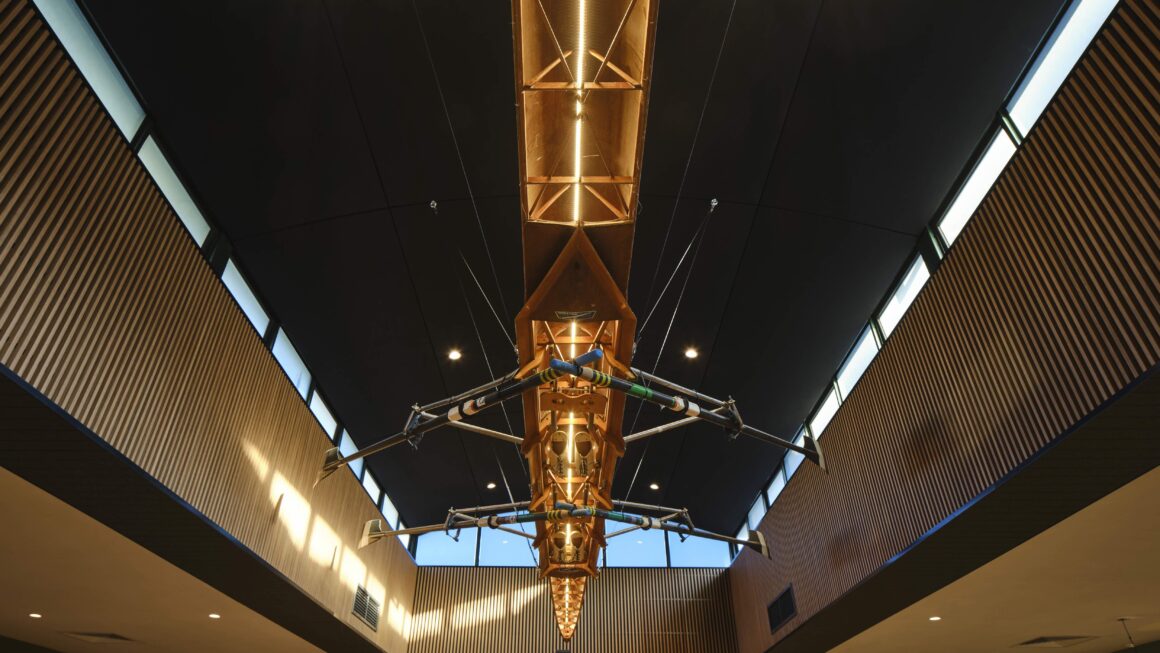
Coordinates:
313 133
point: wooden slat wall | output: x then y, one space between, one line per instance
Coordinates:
108 308
1048 304
493 610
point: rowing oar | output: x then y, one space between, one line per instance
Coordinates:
373 529
730 421
415 430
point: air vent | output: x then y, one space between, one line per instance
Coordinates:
99 638
782 609
366 608
1056 641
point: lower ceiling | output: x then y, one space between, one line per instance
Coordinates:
83 577
1076 579
313 133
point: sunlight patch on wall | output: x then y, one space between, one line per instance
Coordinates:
427 624
293 509
399 618
353 572
260 463
476 612
522 597
324 543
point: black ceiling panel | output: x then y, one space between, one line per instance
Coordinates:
315 135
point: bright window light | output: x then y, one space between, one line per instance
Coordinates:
346 447
743 534
856 363
372 487
502 549
438 549
173 190
244 295
404 538
792 458
775 486
821 419
756 512
82 44
986 171
637 548
1078 27
697 552
915 278
390 512
287 356
323 415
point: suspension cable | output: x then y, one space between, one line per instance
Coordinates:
487 362
657 363
459 154
689 159
677 268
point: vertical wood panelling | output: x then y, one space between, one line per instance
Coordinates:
108 308
1048 305
508 610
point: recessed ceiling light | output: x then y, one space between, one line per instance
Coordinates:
34 615
454 354
214 615
653 486
491 486
690 353
936 618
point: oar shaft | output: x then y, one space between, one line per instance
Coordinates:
675 404
457 412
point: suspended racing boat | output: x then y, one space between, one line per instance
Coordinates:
582 85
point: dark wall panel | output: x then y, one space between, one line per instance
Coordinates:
1047 306
108 309
508 610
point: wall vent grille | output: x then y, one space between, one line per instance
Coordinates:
366 608
782 609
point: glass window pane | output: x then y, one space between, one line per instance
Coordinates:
287 356
372 487
440 550
756 512
743 533
978 183
346 447
173 190
825 413
697 552
323 415
792 458
856 363
502 549
390 512
82 44
1059 55
404 538
915 278
244 295
637 549
775 486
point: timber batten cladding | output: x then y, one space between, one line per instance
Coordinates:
478 610
1048 305
109 309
